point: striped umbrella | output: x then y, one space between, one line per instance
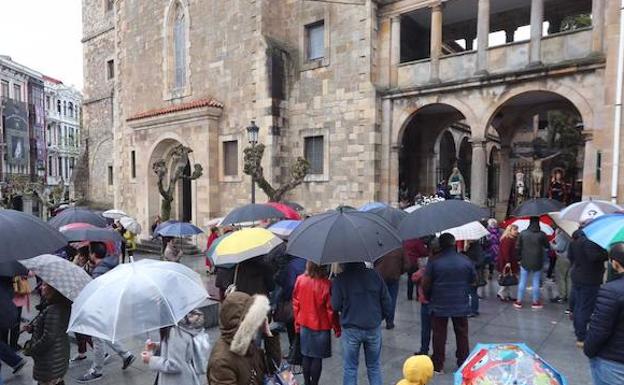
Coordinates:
283 228
606 230
242 245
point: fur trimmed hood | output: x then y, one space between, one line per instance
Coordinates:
240 318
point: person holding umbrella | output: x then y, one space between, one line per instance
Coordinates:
131 244
532 244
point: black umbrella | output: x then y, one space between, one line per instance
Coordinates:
392 215
439 216
24 236
92 234
251 213
11 269
77 215
537 207
343 236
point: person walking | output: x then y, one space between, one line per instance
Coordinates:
102 264
172 252
314 319
588 268
173 357
49 345
361 298
82 260
604 342
562 266
447 283
391 266
474 251
492 245
416 252
507 259
214 234
131 244
532 246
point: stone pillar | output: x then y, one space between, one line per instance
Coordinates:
483 32
598 20
478 173
537 21
386 139
436 42
504 177
395 50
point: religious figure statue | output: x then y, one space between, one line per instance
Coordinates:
537 174
456 184
520 188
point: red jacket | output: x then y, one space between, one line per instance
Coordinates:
312 307
508 254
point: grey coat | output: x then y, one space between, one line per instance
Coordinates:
174 365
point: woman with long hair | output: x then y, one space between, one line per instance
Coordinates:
508 255
314 319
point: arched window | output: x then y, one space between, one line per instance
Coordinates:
71 109
179 46
176 50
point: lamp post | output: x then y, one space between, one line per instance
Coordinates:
252 136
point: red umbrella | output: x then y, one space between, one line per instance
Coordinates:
288 211
546 224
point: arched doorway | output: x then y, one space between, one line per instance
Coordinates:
428 150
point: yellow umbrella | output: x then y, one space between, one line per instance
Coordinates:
244 244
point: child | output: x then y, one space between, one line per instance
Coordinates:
417 370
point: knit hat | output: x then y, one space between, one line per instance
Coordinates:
417 370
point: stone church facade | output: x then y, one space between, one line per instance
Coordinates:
368 91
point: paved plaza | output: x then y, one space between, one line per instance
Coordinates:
547 331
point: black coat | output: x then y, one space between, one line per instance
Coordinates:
532 245
7 308
49 346
588 261
605 336
255 276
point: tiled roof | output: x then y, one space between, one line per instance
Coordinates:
199 103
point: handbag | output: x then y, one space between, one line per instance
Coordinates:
294 354
282 376
507 278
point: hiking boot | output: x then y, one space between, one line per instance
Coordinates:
537 306
128 361
90 376
517 305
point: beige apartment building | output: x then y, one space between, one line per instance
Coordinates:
376 94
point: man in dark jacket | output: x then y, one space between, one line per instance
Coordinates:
604 342
447 282
102 264
361 297
8 320
588 268
532 247
391 266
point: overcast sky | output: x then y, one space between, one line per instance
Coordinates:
44 35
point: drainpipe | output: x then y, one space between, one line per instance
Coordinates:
617 117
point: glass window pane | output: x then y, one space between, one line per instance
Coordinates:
316 41
230 158
313 153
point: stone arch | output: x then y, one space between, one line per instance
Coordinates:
169 62
108 140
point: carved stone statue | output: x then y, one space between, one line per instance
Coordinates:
537 173
456 184
168 176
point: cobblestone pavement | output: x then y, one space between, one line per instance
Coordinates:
547 331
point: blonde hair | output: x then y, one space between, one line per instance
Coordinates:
507 233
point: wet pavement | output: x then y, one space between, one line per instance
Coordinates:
547 331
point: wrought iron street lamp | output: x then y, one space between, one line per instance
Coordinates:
252 136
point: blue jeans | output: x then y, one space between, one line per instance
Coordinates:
425 328
393 290
524 277
352 339
474 300
584 299
605 372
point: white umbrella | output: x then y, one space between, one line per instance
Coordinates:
523 224
131 225
569 227
468 232
67 278
587 210
114 214
135 298
214 222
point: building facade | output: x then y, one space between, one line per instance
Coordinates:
63 108
375 94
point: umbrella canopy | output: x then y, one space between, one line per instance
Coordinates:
289 212
546 224
67 278
605 230
77 215
25 236
372 205
242 245
343 236
283 229
411 209
91 234
131 225
392 215
164 224
214 222
440 216
251 213
12 269
569 227
468 232
506 364
179 230
136 297
114 214
294 205
537 207
587 210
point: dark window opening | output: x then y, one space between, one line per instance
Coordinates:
416 35
110 175
314 153
459 26
566 15
110 69
230 158
133 164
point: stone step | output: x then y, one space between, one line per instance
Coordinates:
153 246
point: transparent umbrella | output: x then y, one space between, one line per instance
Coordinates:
135 298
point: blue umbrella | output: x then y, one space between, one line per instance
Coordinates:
372 206
180 229
164 224
603 230
283 228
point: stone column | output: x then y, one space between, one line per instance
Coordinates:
395 50
478 173
436 42
598 19
537 21
386 138
504 177
483 32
